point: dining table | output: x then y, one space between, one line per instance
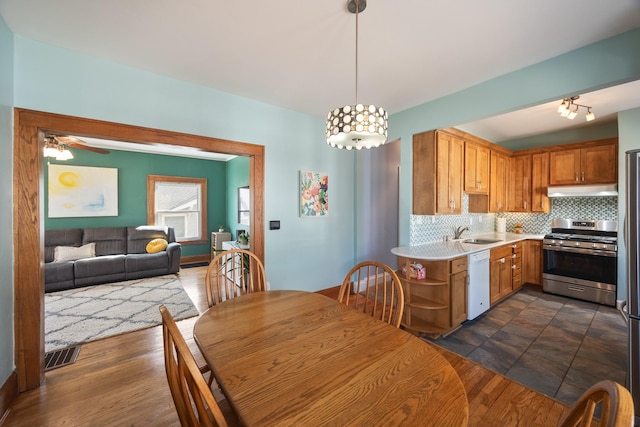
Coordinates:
296 358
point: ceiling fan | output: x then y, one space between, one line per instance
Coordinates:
56 146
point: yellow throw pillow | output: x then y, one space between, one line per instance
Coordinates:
156 245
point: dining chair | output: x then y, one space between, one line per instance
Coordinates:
193 399
375 289
616 407
233 273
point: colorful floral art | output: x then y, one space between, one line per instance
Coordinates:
314 194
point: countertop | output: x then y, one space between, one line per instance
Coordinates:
455 248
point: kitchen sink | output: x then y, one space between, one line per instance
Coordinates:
481 241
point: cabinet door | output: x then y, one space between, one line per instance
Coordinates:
532 262
539 182
456 170
498 182
564 167
444 204
494 280
458 298
520 184
505 277
599 164
476 168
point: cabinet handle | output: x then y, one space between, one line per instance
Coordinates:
514 256
513 267
582 176
502 261
514 246
577 179
525 205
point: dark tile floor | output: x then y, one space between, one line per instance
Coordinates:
556 345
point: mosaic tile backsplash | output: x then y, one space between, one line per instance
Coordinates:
433 228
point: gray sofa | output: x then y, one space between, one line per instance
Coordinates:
120 254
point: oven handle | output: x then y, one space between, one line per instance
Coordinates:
611 254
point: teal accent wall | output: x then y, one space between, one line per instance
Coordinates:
237 176
6 206
133 169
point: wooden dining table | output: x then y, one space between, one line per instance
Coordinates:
301 358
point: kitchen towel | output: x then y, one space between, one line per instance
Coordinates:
501 225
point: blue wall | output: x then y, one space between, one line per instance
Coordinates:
6 205
305 253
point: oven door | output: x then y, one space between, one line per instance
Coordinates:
585 264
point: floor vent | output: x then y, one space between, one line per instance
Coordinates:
58 358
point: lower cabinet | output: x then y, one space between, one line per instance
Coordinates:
532 262
500 276
435 304
516 266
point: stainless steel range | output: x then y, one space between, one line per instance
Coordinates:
580 260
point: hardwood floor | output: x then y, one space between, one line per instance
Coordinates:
121 381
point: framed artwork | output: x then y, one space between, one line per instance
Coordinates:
82 191
314 194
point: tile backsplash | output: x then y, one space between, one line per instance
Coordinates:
433 228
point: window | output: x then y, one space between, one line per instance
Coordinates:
244 205
180 203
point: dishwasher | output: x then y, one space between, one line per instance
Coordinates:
478 294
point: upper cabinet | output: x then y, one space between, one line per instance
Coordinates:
520 183
498 181
539 182
438 161
594 164
476 168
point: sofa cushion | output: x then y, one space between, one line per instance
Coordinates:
141 262
109 240
58 276
53 238
139 237
72 253
102 269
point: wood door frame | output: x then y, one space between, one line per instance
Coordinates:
28 213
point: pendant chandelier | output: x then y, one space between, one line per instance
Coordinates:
360 125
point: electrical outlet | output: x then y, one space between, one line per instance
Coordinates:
470 220
480 218
419 220
433 220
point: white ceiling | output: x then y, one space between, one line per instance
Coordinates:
300 54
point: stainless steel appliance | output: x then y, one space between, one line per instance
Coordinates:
478 295
632 240
580 260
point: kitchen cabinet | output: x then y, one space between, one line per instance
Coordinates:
499 170
595 164
532 262
539 182
437 303
437 173
520 183
516 266
500 275
476 168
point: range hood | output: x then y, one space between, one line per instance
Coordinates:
583 190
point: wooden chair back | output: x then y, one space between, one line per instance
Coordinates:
233 273
194 400
616 408
375 289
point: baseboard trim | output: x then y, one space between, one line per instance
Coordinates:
8 392
194 259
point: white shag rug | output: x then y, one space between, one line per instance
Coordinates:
86 314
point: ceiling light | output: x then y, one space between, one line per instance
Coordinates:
359 125
52 148
565 109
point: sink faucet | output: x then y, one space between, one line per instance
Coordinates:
458 232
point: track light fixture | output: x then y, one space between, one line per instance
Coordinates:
569 108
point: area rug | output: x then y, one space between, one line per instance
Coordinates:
86 314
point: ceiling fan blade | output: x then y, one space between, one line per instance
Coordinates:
87 147
74 142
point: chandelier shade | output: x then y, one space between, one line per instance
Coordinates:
359 125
